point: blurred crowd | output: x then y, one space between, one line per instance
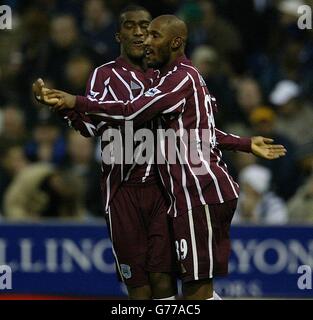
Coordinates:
254 59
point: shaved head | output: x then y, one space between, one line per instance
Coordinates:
166 41
173 25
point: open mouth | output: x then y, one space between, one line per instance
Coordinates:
148 52
138 43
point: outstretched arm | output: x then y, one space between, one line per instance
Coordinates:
260 146
227 141
168 97
264 148
79 121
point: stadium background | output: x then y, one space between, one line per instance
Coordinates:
256 62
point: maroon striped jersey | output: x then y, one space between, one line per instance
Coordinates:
181 104
114 81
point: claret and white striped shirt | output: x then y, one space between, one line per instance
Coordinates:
114 81
177 100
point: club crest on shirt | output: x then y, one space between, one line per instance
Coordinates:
152 92
125 270
134 85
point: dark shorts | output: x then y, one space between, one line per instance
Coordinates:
202 241
139 230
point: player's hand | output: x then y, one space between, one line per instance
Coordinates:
264 148
40 93
64 99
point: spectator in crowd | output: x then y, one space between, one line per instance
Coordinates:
34 30
99 29
287 52
249 96
65 42
12 125
77 71
260 17
237 161
293 113
81 163
19 54
13 161
47 143
284 171
42 191
215 74
300 206
257 204
207 27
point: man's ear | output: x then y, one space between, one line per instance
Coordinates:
176 43
117 37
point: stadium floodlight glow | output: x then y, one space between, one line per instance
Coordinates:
5 17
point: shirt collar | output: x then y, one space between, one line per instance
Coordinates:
176 62
121 62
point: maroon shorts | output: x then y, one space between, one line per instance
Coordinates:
139 230
202 241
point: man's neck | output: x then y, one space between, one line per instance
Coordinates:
174 56
136 64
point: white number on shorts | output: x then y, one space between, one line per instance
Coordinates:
181 249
